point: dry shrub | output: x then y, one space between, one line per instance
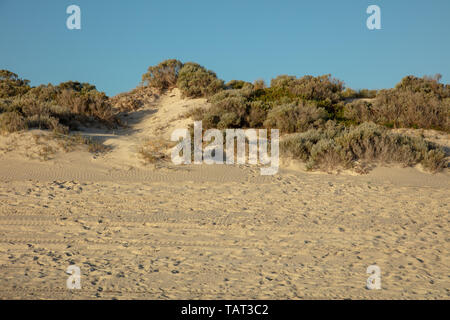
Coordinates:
46 122
163 76
359 111
259 84
92 104
295 117
133 100
12 122
45 152
414 102
338 146
11 85
71 107
56 108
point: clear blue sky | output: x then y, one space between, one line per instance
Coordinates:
240 39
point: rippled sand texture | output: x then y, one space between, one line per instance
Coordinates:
290 236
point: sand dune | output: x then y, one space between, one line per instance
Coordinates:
216 231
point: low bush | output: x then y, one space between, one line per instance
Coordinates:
134 99
311 88
237 84
233 109
57 108
414 102
11 85
163 76
12 122
296 117
195 81
338 146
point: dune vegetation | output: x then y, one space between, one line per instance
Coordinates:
58 108
322 122
325 124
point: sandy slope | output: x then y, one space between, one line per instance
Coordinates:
214 231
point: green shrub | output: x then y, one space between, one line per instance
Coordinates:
228 113
233 109
76 86
295 117
275 95
195 81
12 122
163 76
238 84
311 88
339 146
257 114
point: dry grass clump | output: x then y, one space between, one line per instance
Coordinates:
45 145
12 122
46 122
154 150
414 102
69 143
46 152
337 146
